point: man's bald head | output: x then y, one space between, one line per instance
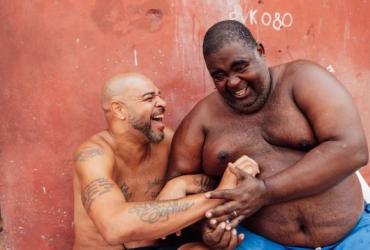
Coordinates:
121 86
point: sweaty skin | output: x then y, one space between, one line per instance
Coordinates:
306 137
120 172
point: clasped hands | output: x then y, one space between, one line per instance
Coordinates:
249 195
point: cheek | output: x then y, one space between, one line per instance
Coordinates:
220 86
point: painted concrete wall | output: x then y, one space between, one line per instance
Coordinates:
56 55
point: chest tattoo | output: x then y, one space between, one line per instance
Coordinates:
126 191
154 187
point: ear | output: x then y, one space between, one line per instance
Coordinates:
118 110
261 49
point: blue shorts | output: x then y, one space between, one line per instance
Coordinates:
357 239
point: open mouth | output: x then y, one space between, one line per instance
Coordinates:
158 118
241 93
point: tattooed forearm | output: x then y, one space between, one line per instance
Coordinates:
95 189
88 153
204 183
152 212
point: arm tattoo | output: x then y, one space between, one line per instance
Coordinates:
152 212
154 187
95 189
88 153
204 183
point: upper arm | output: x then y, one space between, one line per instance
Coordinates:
100 195
186 148
327 105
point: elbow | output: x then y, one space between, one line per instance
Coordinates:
362 157
115 235
111 237
360 154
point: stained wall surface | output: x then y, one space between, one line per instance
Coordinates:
56 55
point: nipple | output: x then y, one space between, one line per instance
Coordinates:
223 155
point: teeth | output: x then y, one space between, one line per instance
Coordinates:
240 92
159 116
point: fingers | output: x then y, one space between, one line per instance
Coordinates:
240 238
236 221
226 194
234 241
247 164
212 223
244 159
213 237
239 173
223 210
225 239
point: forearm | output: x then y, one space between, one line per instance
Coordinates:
318 170
152 220
186 184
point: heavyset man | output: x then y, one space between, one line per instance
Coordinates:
302 128
120 172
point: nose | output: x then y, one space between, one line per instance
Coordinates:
160 102
233 81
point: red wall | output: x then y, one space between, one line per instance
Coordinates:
56 55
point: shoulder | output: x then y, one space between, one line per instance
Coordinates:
301 67
205 108
305 75
94 151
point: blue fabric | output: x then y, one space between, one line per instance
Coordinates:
357 239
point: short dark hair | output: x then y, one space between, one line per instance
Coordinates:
225 32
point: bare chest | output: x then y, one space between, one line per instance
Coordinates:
143 182
275 137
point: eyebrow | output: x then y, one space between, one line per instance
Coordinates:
239 62
216 71
150 93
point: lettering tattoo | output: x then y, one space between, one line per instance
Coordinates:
95 189
126 191
88 153
152 212
154 187
204 183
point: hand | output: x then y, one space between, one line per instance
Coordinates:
220 236
244 200
229 179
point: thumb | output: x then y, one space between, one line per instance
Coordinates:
240 174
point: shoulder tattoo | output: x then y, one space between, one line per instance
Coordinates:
153 212
88 153
95 189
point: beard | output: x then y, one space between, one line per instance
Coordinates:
145 128
248 106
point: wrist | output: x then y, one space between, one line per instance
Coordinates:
267 194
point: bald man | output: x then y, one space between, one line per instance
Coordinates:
120 171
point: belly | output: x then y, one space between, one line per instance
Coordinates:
314 221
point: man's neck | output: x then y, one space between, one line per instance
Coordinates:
132 148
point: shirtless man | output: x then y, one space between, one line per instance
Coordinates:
120 171
302 128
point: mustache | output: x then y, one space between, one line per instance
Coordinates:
159 111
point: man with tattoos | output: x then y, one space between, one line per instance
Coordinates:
120 171
302 128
